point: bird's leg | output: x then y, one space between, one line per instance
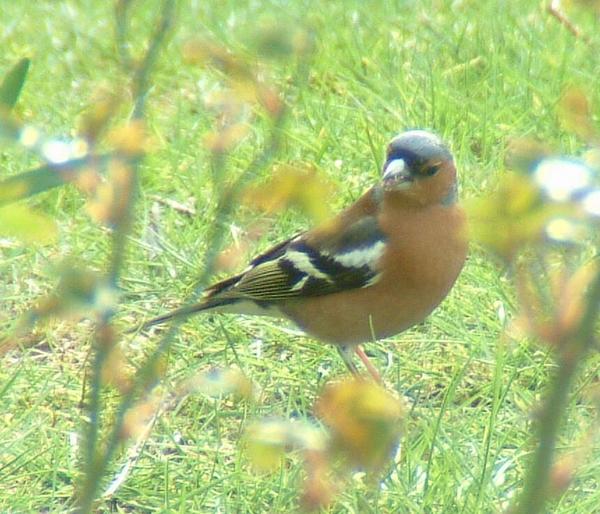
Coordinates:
346 352
368 364
346 355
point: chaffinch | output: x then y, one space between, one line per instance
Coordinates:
377 268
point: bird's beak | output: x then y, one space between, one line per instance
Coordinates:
397 175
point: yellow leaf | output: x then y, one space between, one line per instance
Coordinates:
265 444
205 52
293 185
111 197
576 114
130 139
102 109
364 419
137 418
219 382
512 216
267 441
27 225
226 139
87 180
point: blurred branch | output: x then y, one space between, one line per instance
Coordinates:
96 460
140 81
140 90
121 12
147 375
555 9
537 220
536 490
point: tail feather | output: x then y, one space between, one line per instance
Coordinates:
215 296
182 313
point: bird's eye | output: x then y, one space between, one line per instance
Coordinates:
431 169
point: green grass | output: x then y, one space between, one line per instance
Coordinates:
478 72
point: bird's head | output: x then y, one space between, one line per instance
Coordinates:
419 167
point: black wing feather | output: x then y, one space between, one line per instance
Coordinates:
294 268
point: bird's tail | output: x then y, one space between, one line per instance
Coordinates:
182 313
214 297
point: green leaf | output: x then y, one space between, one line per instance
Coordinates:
42 179
9 127
27 225
33 182
11 86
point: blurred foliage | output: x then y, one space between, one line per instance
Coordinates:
108 181
292 185
27 225
12 84
365 422
542 198
220 382
540 213
575 113
363 426
545 211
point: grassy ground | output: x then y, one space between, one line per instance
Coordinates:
477 72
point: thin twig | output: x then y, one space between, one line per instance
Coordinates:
140 80
96 461
135 451
555 9
145 379
536 489
121 11
175 205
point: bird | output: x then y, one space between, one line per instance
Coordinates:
375 269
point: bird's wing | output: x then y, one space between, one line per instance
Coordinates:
303 266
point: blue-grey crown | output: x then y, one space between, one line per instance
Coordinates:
417 146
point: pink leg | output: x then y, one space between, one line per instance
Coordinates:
368 364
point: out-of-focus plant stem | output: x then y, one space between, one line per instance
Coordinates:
146 378
572 352
121 12
99 456
96 460
140 79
